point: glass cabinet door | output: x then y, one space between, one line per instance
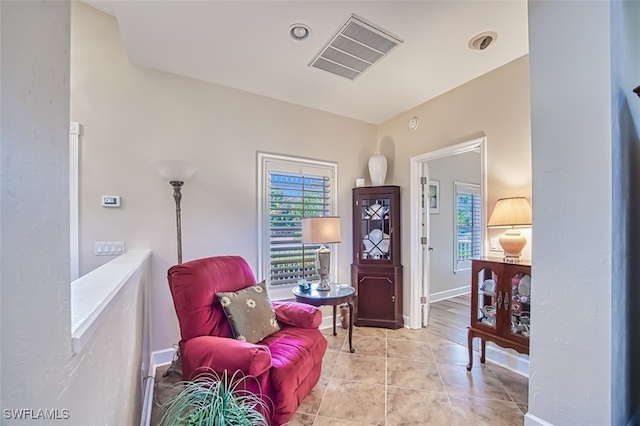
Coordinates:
487 297
520 315
375 229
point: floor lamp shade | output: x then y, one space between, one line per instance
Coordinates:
175 170
177 173
321 230
511 212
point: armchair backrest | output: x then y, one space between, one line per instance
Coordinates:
194 286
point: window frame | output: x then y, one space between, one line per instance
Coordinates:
473 189
265 161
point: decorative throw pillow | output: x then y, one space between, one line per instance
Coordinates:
250 313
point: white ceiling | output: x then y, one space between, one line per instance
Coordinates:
246 45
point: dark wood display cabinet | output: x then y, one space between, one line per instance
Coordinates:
500 305
376 272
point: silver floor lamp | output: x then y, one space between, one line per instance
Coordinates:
177 173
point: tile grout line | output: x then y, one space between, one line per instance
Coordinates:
455 419
333 369
503 386
386 372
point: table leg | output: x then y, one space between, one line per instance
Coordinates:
351 327
334 320
470 346
483 345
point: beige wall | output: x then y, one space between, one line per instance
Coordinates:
496 105
132 116
455 168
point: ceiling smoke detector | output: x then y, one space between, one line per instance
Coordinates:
356 46
483 40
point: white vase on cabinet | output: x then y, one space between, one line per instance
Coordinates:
377 168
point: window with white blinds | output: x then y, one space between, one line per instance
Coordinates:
292 189
468 227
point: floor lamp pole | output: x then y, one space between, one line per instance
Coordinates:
177 196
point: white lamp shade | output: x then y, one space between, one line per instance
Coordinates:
514 211
321 229
175 170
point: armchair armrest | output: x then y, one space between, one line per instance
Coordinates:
223 353
298 314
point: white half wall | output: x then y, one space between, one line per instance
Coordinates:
570 358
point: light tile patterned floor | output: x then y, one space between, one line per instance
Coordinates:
409 377
406 377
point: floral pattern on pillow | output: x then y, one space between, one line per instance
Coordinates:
249 313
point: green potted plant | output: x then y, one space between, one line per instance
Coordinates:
213 399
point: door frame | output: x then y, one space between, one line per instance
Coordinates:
418 288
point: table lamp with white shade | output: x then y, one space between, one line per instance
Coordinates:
177 173
511 212
321 230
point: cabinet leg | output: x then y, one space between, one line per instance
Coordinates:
334 320
483 346
470 346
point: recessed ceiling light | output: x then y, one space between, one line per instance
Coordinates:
299 32
482 40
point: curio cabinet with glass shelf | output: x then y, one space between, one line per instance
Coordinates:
376 272
500 304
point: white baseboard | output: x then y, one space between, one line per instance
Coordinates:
531 420
157 359
509 360
327 322
448 294
163 357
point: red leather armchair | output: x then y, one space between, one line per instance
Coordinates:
287 364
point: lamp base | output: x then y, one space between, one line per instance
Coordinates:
324 286
512 242
323 261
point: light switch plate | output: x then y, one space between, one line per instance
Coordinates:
108 248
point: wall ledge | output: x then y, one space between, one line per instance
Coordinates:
92 293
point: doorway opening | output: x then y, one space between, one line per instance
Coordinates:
427 199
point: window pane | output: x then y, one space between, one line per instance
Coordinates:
293 196
468 239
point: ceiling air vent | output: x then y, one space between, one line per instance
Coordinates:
354 48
